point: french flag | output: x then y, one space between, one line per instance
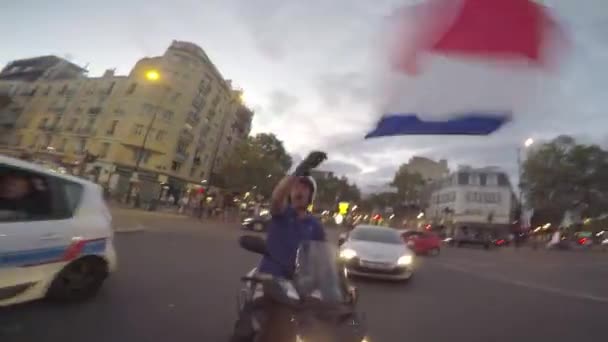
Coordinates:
466 67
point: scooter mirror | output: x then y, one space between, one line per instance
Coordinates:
253 244
353 294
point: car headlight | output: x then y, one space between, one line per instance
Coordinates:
347 254
405 260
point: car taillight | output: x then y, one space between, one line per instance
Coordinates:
582 241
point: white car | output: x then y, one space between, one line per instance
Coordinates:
56 236
376 252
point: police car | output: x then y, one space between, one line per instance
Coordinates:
55 235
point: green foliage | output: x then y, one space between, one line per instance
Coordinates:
260 162
409 185
331 190
562 175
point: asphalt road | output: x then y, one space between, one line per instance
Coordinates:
177 282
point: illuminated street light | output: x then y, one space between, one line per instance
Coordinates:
529 142
152 75
421 215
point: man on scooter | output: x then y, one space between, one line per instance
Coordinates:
291 224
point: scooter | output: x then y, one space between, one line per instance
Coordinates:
316 304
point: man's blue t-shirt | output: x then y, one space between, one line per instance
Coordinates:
285 234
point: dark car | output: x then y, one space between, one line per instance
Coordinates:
472 239
256 223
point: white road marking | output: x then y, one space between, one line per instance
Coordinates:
528 285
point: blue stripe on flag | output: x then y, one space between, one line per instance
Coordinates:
48 255
466 124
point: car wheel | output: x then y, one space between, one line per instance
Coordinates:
258 227
434 252
79 280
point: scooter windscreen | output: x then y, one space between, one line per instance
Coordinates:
317 275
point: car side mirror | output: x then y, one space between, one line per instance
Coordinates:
253 244
342 238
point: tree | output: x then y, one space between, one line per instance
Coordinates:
256 165
379 201
409 185
331 190
562 175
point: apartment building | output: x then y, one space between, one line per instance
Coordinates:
168 124
478 198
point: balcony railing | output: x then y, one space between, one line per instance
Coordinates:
180 156
186 135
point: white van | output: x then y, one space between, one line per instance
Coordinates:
56 236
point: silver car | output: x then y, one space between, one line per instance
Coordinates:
376 252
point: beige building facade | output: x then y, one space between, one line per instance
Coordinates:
429 169
162 134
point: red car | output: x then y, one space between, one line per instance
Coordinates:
422 242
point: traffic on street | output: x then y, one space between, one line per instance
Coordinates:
178 279
289 171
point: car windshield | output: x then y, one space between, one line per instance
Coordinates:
317 274
376 235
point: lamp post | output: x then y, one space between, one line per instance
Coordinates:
152 76
527 143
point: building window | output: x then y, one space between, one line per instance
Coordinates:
63 144
47 91
483 179
167 115
112 128
105 148
18 139
82 144
138 129
474 179
160 135
43 123
175 166
463 178
131 88
175 97
143 154
503 180
94 110
71 125
90 124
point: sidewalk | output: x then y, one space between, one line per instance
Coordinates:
129 219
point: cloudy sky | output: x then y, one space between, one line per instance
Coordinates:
307 68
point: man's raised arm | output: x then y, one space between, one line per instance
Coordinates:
280 193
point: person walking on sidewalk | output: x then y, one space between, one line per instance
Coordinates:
183 204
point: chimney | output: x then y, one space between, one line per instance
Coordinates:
109 73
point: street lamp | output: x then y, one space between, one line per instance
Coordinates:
152 76
527 143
